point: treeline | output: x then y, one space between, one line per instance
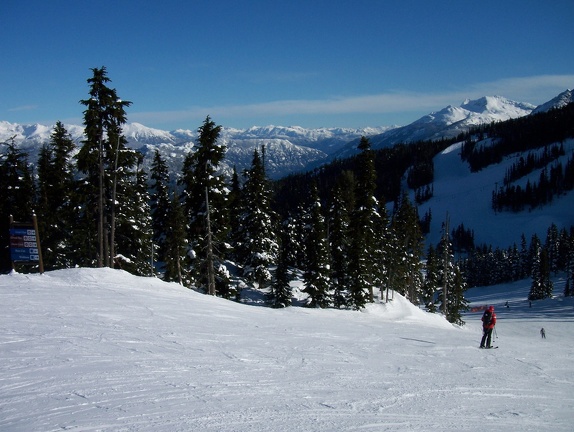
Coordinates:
489 144
351 251
533 161
538 260
551 183
415 160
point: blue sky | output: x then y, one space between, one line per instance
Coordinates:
310 63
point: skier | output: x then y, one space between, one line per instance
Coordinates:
543 333
488 322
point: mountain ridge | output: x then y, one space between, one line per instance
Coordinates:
448 122
294 148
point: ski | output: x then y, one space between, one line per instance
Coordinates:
493 347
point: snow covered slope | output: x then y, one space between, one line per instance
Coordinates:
448 122
467 199
101 350
559 101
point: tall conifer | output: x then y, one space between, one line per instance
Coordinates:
104 162
176 244
134 229
409 242
343 203
281 288
204 185
159 203
55 187
257 244
363 256
316 278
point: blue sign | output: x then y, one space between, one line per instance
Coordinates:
24 245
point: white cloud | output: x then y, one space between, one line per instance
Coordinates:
23 108
535 90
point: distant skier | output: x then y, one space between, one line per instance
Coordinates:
543 333
488 322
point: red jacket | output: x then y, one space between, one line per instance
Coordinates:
491 323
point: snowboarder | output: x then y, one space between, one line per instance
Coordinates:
488 322
543 333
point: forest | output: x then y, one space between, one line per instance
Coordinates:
97 206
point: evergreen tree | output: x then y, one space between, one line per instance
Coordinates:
533 252
409 242
103 160
387 242
363 256
343 202
257 245
293 238
16 195
235 210
134 230
381 248
431 283
563 249
541 286
392 264
552 247
204 186
524 257
569 266
126 198
159 204
445 260
512 265
316 278
55 186
456 302
281 289
452 282
176 244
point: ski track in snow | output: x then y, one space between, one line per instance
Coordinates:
100 350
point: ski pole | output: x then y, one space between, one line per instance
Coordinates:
495 334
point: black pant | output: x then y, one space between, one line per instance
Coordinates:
486 336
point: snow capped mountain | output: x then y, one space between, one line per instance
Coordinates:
448 122
138 133
326 140
289 149
293 148
559 101
36 134
497 108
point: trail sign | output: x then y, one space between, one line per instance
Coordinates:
24 245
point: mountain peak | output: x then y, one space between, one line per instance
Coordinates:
559 101
497 105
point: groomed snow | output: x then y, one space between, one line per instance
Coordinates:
102 350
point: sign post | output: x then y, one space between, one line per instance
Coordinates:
25 245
